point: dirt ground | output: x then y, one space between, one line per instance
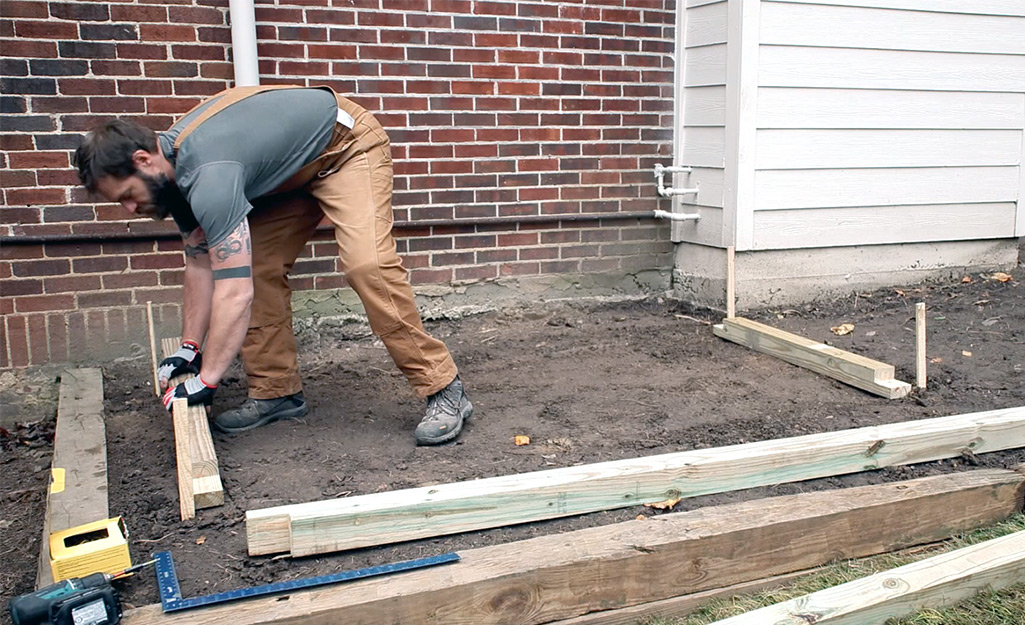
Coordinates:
587 382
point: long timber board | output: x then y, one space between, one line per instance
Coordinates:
858 371
562 576
931 583
196 454
77 493
381 518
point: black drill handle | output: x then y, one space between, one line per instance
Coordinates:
34 608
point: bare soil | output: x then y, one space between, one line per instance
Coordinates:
587 382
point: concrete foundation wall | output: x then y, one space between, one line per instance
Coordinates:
786 277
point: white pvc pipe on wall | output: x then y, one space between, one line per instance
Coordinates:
243 42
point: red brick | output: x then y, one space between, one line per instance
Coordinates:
35 197
10 178
467 274
196 15
76 333
10 143
61 104
45 30
42 303
15 8
34 160
56 326
72 284
201 52
130 280
138 13
144 87
12 288
101 299
157 261
142 51
4 361
166 32
520 269
86 86
37 339
99 264
17 340
116 68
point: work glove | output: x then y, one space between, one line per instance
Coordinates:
186 360
195 390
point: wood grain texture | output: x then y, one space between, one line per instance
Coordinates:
337 524
566 575
182 445
931 583
207 489
80 452
864 373
920 355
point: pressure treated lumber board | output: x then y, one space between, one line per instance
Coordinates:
78 486
182 442
574 573
380 518
864 373
931 583
207 490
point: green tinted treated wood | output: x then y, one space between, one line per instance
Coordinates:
931 583
858 371
562 576
338 524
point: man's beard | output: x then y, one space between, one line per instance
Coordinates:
166 197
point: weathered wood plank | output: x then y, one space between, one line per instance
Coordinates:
207 490
379 518
78 495
864 373
565 575
931 583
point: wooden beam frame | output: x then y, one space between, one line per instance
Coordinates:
864 373
380 518
934 583
77 493
562 576
194 449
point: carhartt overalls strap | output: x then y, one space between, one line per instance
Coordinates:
228 98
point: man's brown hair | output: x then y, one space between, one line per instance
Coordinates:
107 151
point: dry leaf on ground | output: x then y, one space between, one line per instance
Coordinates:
663 505
842 329
519 439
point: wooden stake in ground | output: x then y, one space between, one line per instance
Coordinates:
920 344
153 348
931 583
200 456
731 282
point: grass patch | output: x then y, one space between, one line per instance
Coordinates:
1004 607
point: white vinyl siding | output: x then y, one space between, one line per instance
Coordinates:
701 77
886 121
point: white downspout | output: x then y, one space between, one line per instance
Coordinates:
243 42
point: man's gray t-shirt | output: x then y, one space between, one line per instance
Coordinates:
246 151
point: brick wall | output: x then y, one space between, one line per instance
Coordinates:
502 115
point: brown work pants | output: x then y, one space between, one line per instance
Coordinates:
351 184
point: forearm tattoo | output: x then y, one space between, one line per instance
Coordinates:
200 247
233 272
235 244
